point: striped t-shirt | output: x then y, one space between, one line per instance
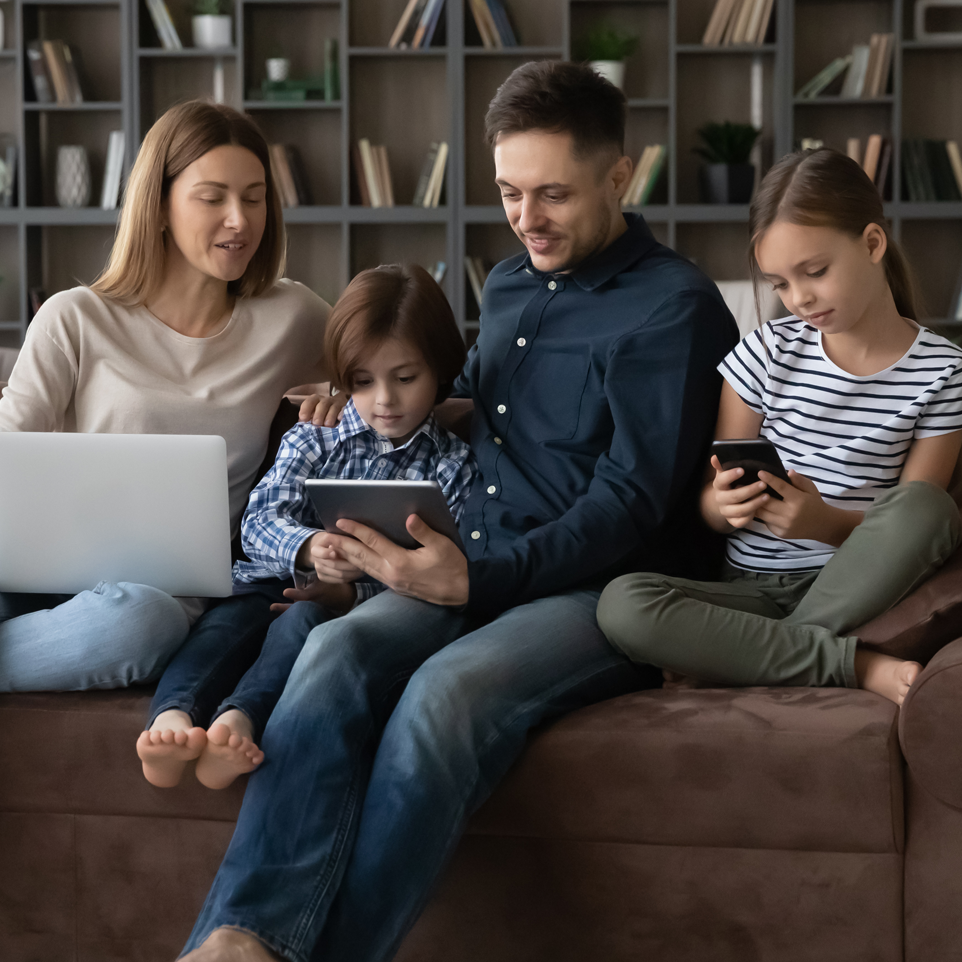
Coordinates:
850 435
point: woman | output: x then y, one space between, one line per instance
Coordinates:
189 330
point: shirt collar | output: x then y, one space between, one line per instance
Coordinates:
629 247
351 424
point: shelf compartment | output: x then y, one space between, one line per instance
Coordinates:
932 95
934 250
317 138
538 28
165 81
720 249
10 272
314 257
835 123
60 257
422 244
492 243
371 23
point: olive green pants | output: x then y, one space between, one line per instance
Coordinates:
785 628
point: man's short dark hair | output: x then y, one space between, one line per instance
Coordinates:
560 97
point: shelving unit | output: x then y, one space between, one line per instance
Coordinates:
405 99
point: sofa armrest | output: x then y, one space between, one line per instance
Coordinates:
930 726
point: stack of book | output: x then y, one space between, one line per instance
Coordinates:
477 269
373 173
862 74
53 70
645 176
418 25
428 190
491 19
876 160
738 22
289 176
113 171
166 31
931 170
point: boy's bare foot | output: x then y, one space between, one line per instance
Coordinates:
231 945
230 751
172 741
885 675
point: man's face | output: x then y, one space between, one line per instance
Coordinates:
563 209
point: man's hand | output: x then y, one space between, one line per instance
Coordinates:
436 572
319 553
803 514
322 411
339 597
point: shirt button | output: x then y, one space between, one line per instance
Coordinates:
475 535
501 409
552 285
491 489
521 342
497 440
381 463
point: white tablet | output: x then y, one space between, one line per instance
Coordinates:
384 506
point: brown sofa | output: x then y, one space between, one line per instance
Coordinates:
756 824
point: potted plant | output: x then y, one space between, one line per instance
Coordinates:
211 28
606 48
727 177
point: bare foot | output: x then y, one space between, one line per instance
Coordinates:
674 681
885 675
231 945
230 751
168 746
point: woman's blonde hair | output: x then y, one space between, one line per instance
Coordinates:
183 134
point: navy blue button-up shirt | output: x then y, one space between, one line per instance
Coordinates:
595 398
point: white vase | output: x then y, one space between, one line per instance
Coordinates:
212 32
278 69
73 176
611 70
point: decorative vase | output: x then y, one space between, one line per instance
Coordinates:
278 69
727 183
73 176
212 32
611 70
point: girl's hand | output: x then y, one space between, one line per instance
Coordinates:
324 411
737 505
803 514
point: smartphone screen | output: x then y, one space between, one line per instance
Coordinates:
752 455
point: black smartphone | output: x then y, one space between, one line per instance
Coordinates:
753 455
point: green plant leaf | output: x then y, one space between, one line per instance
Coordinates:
726 143
604 41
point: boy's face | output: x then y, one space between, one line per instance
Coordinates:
394 390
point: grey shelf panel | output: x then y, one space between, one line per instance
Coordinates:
842 101
928 210
514 52
644 103
402 214
315 215
653 213
484 214
395 52
710 213
89 106
10 216
740 49
71 3
288 3
931 45
159 53
292 104
9 325
68 217
8 54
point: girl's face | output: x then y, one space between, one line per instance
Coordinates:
825 276
216 212
394 390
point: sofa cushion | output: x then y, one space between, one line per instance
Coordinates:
793 768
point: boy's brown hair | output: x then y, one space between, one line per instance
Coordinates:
400 301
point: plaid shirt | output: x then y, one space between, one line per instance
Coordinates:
280 516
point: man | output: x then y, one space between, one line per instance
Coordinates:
595 393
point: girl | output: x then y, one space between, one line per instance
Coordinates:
865 408
392 344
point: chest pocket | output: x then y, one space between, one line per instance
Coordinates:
549 395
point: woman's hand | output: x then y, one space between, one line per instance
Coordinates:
322 411
803 513
319 553
735 506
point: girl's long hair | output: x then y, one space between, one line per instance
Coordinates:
825 188
183 134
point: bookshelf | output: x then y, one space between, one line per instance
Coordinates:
406 99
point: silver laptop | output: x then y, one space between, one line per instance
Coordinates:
77 509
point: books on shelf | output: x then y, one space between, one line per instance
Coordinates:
477 270
418 25
494 25
875 159
431 180
929 172
8 171
289 175
113 171
861 74
645 176
53 71
42 84
164 25
738 22
373 171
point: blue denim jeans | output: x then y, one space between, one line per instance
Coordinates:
238 655
397 722
109 637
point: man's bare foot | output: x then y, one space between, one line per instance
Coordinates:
885 675
171 742
230 751
231 945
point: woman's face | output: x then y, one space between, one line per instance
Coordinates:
216 212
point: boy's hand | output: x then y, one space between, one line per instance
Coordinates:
324 411
340 597
737 505
319 553
803 513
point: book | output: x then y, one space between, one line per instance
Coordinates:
432 197
437 271
764 22
8 171
359 176
402 24
873 150
425 176
824 78
113 170
383 171
370 171
57 69
717 22
879 67
943 176
39 75
332 71
489 36
282 176
657 164
428 16
853 149
298 175
952 150
477 272
884 164
637 183
854 82
502 23
740 28
751 31
164 25
484 12
73 78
